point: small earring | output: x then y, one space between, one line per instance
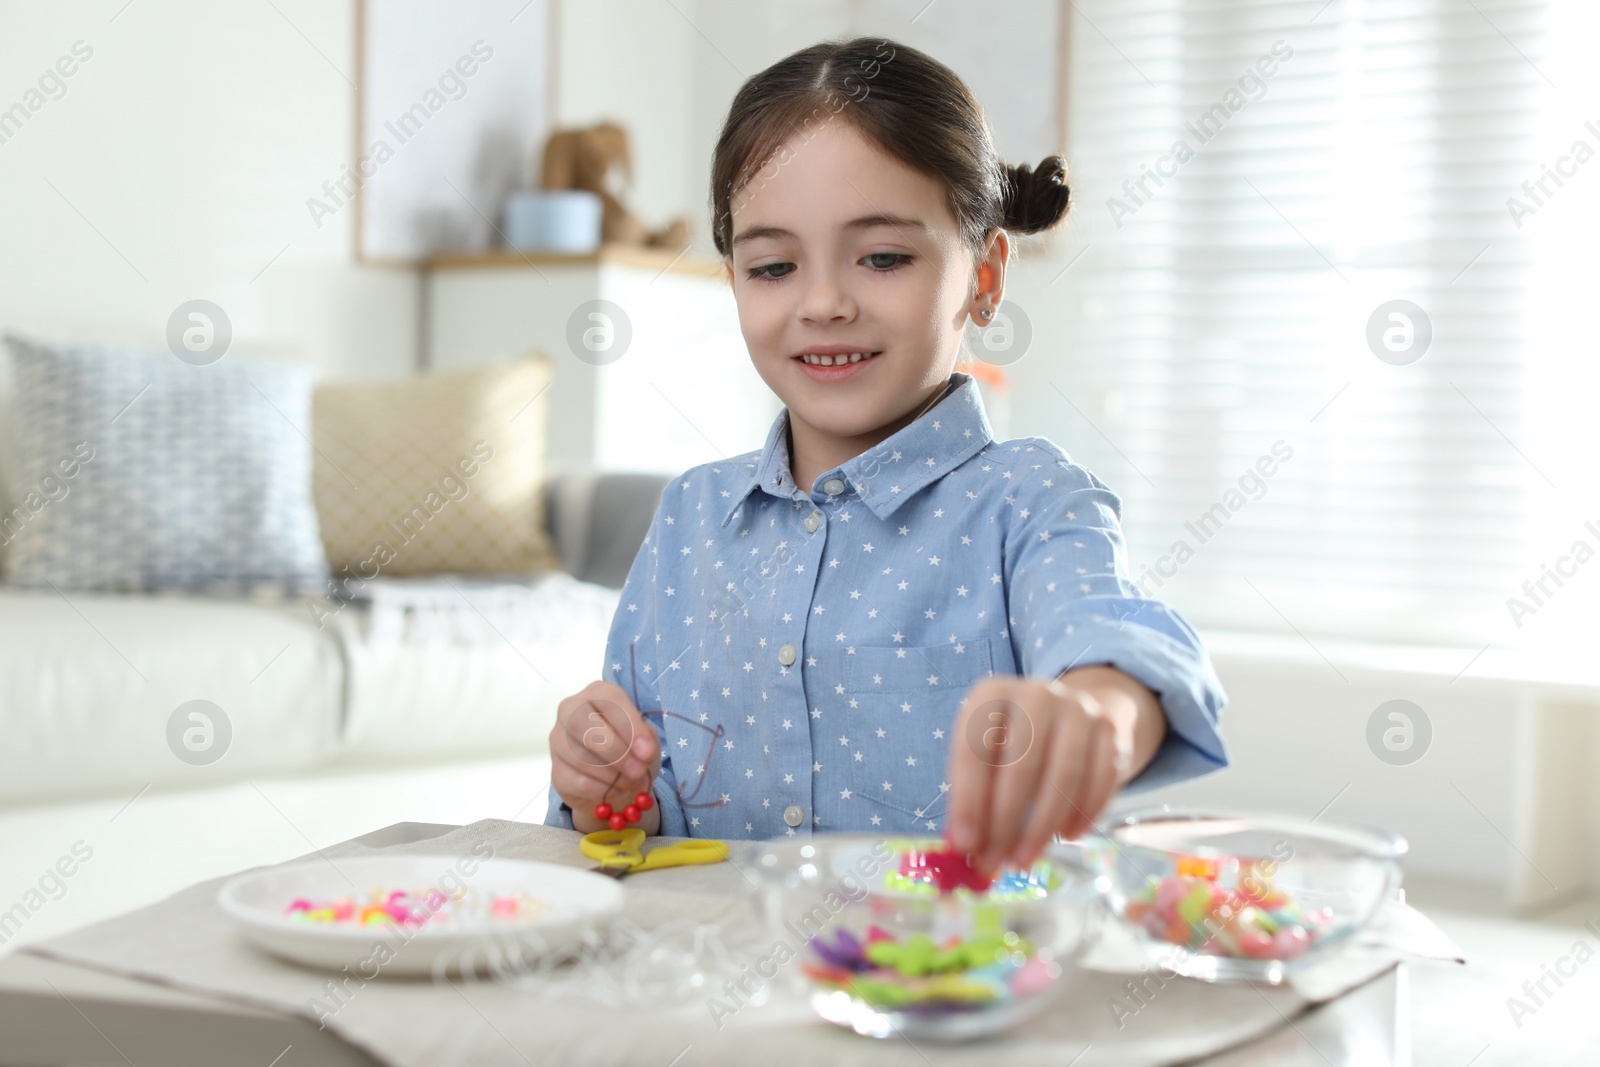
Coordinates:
987 313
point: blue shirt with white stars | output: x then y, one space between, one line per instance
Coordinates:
809 649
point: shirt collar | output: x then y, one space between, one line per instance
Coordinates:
914 457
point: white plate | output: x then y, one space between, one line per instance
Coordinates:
575 902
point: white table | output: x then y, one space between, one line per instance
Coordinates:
57 1014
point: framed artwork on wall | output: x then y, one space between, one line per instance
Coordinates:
453 104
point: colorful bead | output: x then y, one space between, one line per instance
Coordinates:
412 909
956 975
987 964
1248 918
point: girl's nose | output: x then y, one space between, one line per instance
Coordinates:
826 299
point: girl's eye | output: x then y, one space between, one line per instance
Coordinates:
760 273
899 260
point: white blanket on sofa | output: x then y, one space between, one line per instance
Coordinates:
450 663
477 611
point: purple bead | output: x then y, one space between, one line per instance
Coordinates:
844 951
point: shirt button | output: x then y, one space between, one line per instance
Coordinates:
786 655
813 520
833 487
793 815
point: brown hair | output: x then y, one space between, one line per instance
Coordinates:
912 107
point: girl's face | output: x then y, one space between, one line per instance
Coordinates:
839 246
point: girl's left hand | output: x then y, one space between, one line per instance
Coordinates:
1024 747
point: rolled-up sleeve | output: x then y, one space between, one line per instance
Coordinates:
1072 604
634 630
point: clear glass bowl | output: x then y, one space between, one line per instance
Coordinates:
1227 897
878 948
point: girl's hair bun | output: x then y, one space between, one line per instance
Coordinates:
1034 200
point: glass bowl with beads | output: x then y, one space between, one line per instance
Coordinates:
899 936
1236 897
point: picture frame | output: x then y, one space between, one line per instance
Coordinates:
453 106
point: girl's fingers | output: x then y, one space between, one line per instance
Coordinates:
596 739
576 780
1052 807
1100 764
576 766
970 770
1018 757
609 735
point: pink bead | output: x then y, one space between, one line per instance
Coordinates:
1034 976
1255 944
951 870
1290 942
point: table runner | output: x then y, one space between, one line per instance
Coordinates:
187 942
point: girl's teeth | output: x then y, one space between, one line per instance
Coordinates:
834 361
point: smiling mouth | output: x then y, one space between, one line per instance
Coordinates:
836 361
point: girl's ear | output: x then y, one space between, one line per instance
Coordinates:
990 279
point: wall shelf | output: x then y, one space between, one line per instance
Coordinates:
617 254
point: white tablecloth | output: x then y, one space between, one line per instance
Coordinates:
187 942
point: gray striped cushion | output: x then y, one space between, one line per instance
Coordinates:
137 471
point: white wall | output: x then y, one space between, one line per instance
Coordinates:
183 151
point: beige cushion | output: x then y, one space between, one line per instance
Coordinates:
440 472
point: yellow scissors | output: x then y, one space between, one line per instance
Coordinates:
618 852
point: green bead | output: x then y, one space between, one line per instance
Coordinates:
883 953
988 920
1192 908
956 987
880 994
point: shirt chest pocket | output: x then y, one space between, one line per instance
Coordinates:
900 711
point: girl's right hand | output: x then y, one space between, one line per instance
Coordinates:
602 749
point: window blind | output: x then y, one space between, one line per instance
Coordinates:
1257 182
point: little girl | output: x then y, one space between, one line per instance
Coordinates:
883 620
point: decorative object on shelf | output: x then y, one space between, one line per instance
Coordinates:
597 159
553 220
